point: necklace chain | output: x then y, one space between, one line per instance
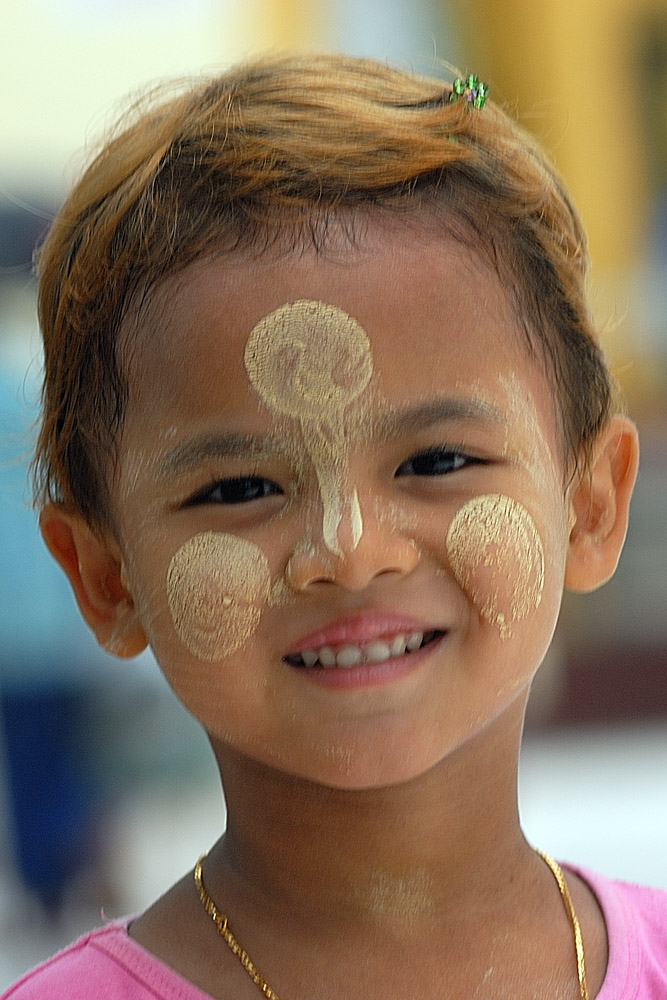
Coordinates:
574 922
258 979
220 922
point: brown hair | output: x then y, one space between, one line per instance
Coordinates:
271 151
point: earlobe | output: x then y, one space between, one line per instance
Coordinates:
599 505
96 574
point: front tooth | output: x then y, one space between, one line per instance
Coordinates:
398 646
327 657
377 652
309 657
349 656
415 640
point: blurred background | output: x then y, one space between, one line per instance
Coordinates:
107 789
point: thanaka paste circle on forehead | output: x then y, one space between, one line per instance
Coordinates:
216 586
497 533
308 360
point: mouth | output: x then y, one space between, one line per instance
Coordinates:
349 655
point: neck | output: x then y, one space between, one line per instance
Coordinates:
444 840
329 889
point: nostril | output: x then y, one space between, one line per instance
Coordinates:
306 570
313 581
311 565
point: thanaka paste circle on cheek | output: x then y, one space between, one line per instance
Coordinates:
216 586
497 556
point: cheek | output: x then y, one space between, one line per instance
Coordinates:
497 557
217 585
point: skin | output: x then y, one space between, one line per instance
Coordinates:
389 734
332 796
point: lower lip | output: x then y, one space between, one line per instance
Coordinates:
370 674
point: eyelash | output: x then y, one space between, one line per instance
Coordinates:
240 490
437 462
431 463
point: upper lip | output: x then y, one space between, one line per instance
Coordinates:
362 628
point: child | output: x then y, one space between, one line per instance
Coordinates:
326 424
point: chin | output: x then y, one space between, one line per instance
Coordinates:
347 767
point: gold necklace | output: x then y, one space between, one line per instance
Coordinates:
258 979
574 922
220 922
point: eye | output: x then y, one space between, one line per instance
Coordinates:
436 462
242 489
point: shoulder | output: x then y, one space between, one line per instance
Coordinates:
632 907
107 963
636 922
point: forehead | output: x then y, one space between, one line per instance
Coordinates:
437 319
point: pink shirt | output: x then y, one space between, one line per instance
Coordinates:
107 964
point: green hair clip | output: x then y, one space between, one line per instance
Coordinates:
472 90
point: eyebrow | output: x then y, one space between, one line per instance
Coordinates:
391 425
229 444
435 411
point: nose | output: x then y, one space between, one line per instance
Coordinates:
365 551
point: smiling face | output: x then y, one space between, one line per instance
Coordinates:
349 586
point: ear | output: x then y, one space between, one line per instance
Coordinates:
599 504
94 567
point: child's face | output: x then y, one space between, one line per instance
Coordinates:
411 483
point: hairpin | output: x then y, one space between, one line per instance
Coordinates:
472 90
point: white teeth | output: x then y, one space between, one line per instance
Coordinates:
377 652
415 640
398 646
350 655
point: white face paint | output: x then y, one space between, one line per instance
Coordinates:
216 587
497 557
310 361
307 361
434 321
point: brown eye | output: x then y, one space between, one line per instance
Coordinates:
243 489
435 462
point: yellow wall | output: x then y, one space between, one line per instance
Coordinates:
288 24
570 68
